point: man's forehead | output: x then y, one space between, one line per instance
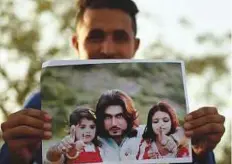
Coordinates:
107 19
113 110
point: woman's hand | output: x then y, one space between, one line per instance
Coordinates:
167 142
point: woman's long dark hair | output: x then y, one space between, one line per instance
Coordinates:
116 97
163 107
80 113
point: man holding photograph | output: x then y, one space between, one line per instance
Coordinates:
105 29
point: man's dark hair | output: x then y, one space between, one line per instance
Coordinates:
115 97
127 6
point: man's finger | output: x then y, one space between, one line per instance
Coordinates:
29 112
27 131
40 114
24 120
204 111
216 138
205 129
203 121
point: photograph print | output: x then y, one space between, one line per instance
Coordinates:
111 111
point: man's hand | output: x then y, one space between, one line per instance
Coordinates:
23 132
206 128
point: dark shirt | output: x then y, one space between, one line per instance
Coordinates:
35 102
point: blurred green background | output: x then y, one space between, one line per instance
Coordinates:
196 31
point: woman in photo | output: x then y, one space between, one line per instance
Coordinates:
158 140
81 145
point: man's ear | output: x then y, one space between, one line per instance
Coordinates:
75 43
137 43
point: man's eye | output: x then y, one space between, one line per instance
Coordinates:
120 36
107 117
120 116
96 36
82 127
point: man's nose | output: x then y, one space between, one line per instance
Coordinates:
108 46
114 121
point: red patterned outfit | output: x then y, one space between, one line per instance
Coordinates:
146 145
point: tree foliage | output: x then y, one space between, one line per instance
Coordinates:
21 39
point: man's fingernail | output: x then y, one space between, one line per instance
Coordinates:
47 117
188 133
189 117
187 126
47 126
47 134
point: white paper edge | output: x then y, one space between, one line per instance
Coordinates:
54 63
153 161
187 101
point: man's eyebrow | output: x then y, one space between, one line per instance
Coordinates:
111 115
119 114
121 31
95 30
116 31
